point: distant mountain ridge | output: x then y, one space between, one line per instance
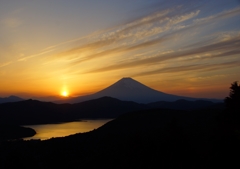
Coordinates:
10 99
37 112
129 89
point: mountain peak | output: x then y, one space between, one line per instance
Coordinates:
10 99
129 89
13 97
126 78
128 82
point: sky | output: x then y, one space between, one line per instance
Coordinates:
181 47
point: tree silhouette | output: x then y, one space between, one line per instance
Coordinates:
233 101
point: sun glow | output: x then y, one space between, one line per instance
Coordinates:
64 94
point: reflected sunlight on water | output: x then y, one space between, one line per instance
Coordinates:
47 131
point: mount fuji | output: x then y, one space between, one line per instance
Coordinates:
128 89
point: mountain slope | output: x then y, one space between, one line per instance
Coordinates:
131 90
36 112
10 99
186 105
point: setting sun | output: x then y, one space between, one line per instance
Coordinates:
64 93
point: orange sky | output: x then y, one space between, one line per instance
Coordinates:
177 48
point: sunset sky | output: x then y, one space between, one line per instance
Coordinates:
182 47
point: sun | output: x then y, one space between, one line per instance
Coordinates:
64 94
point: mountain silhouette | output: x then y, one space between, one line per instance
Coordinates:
186 105
129 89
10 99
15 132
37 112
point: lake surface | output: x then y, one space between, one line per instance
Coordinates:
47 131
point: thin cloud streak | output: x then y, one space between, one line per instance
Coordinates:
135 32
123 49
5 64
220 16
228 53
106 45
231 45
196 67
39 54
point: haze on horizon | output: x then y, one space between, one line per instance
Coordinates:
188 48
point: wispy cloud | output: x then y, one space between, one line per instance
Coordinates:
195 67
47 50
145 32
5 64
157 31
220 16
227 47
137 34
122 49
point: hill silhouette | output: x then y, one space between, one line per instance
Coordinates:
32 112
37 112
15 132
10 99
156 138
186 105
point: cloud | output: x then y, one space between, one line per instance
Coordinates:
130 34
195 67
136 31
219 16
48 50
153 32
5 64
231 46
87 47
123 49
228 53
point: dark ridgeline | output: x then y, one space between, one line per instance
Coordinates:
10 99
186 105
35 112
10 132
31 112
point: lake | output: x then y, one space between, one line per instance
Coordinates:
47 131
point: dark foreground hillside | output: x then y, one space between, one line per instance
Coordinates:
145 139
15 132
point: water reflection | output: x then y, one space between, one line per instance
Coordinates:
47 131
